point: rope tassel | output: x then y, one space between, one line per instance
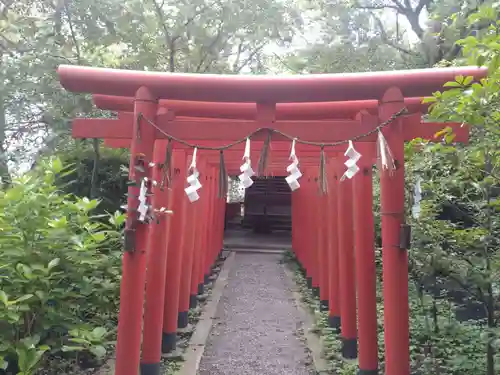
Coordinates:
264 154
385 158
222 176
167 166
323 183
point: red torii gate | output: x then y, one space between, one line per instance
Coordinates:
329 269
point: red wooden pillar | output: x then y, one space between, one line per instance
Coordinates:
333 259
295 227
305 243
211 196
205 199
219 238
157 266
213 226
311 231
321 212
134 259
200 222
299 224
394 259
175 252
187 264
315 215
223 207
219 229
346 266
366 277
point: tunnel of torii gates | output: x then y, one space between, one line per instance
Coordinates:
171 242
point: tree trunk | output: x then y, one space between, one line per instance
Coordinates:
490 301
490 351
95 175
4 168
171 57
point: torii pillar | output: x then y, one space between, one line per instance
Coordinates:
394 255
136 233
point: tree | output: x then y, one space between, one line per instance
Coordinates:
347 41
38 35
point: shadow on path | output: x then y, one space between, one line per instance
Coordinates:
257 329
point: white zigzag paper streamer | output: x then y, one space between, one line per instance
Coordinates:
143 206
293 170
246 168
193 181
352 167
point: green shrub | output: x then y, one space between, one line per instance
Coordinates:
59 272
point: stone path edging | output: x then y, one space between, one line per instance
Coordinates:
313 341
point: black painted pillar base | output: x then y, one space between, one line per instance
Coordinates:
193 301
309 282
182 319
206 279
316 291
150 368
200 289
349 348
335 323
324 305
168 342
367 372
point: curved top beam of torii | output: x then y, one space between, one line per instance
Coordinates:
248 111
260 88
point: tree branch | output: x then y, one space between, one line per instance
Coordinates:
401 6
7 50
238 55
421 5
72 32
209 49
385 38
249 58
357 5
161 17
285 64
192 18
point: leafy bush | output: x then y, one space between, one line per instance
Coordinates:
111 181
59 272
458 253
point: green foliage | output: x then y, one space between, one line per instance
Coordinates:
111 181
456 247
444 346
59 274
83 340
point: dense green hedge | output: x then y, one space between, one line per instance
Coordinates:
59 274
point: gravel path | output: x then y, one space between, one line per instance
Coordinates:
257 326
